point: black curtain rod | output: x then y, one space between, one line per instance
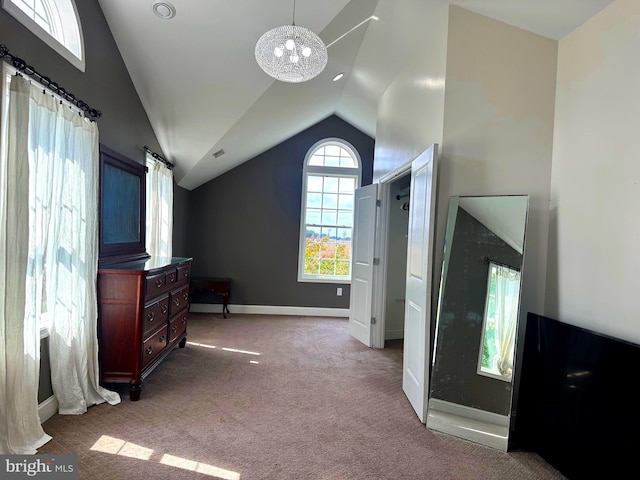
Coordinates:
167 163
49 84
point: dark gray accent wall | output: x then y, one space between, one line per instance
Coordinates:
180 221
105 84
45 390
454 376
245 224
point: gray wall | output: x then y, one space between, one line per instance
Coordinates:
180 221
245 224
45 390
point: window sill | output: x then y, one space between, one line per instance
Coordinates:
342 281
44 331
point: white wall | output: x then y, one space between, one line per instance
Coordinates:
411 110
493 121
594 235
498 128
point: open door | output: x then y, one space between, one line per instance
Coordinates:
415 367
363 244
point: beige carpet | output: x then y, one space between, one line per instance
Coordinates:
274 397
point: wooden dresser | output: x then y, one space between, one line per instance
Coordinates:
142 317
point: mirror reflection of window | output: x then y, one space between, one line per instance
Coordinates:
500 322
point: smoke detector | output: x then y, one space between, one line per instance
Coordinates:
164 10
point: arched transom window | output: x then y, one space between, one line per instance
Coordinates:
55 22
332 172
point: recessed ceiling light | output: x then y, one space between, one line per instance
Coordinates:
338 76
163 9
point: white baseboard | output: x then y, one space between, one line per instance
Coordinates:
271 310
48 408
486 428
469 412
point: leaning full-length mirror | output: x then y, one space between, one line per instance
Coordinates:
477 318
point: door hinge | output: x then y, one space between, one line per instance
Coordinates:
376 261
378 203
373 320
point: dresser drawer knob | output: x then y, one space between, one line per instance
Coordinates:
184 320
185 296
149 351
150 316
176 302
164 309
162 339
172 277
174 328
158 283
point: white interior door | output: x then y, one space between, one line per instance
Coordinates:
363 245
417 316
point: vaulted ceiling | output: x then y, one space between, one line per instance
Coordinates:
203 92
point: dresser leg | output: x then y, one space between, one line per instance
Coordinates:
183 342
134 392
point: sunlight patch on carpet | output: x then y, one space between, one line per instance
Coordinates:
117 446
226 349
199 467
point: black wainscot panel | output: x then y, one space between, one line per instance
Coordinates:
578 405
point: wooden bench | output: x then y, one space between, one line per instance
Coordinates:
217 286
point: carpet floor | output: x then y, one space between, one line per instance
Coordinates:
274 397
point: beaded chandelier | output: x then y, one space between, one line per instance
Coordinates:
291 53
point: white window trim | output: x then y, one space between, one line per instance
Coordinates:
334 171
67 16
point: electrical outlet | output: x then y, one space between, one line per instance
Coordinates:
339 292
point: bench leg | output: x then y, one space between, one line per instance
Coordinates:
225 305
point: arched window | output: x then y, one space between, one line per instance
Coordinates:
332 172
55 22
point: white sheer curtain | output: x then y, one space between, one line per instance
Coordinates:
63 225
63 156
507 296
159 238
20 430
61 150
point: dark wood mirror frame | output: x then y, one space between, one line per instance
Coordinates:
122 210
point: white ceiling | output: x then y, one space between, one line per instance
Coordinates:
202 90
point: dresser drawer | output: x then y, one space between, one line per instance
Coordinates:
154 284
171 277
155 314
177 326
179 299
183 273
154 345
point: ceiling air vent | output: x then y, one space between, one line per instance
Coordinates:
218 154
